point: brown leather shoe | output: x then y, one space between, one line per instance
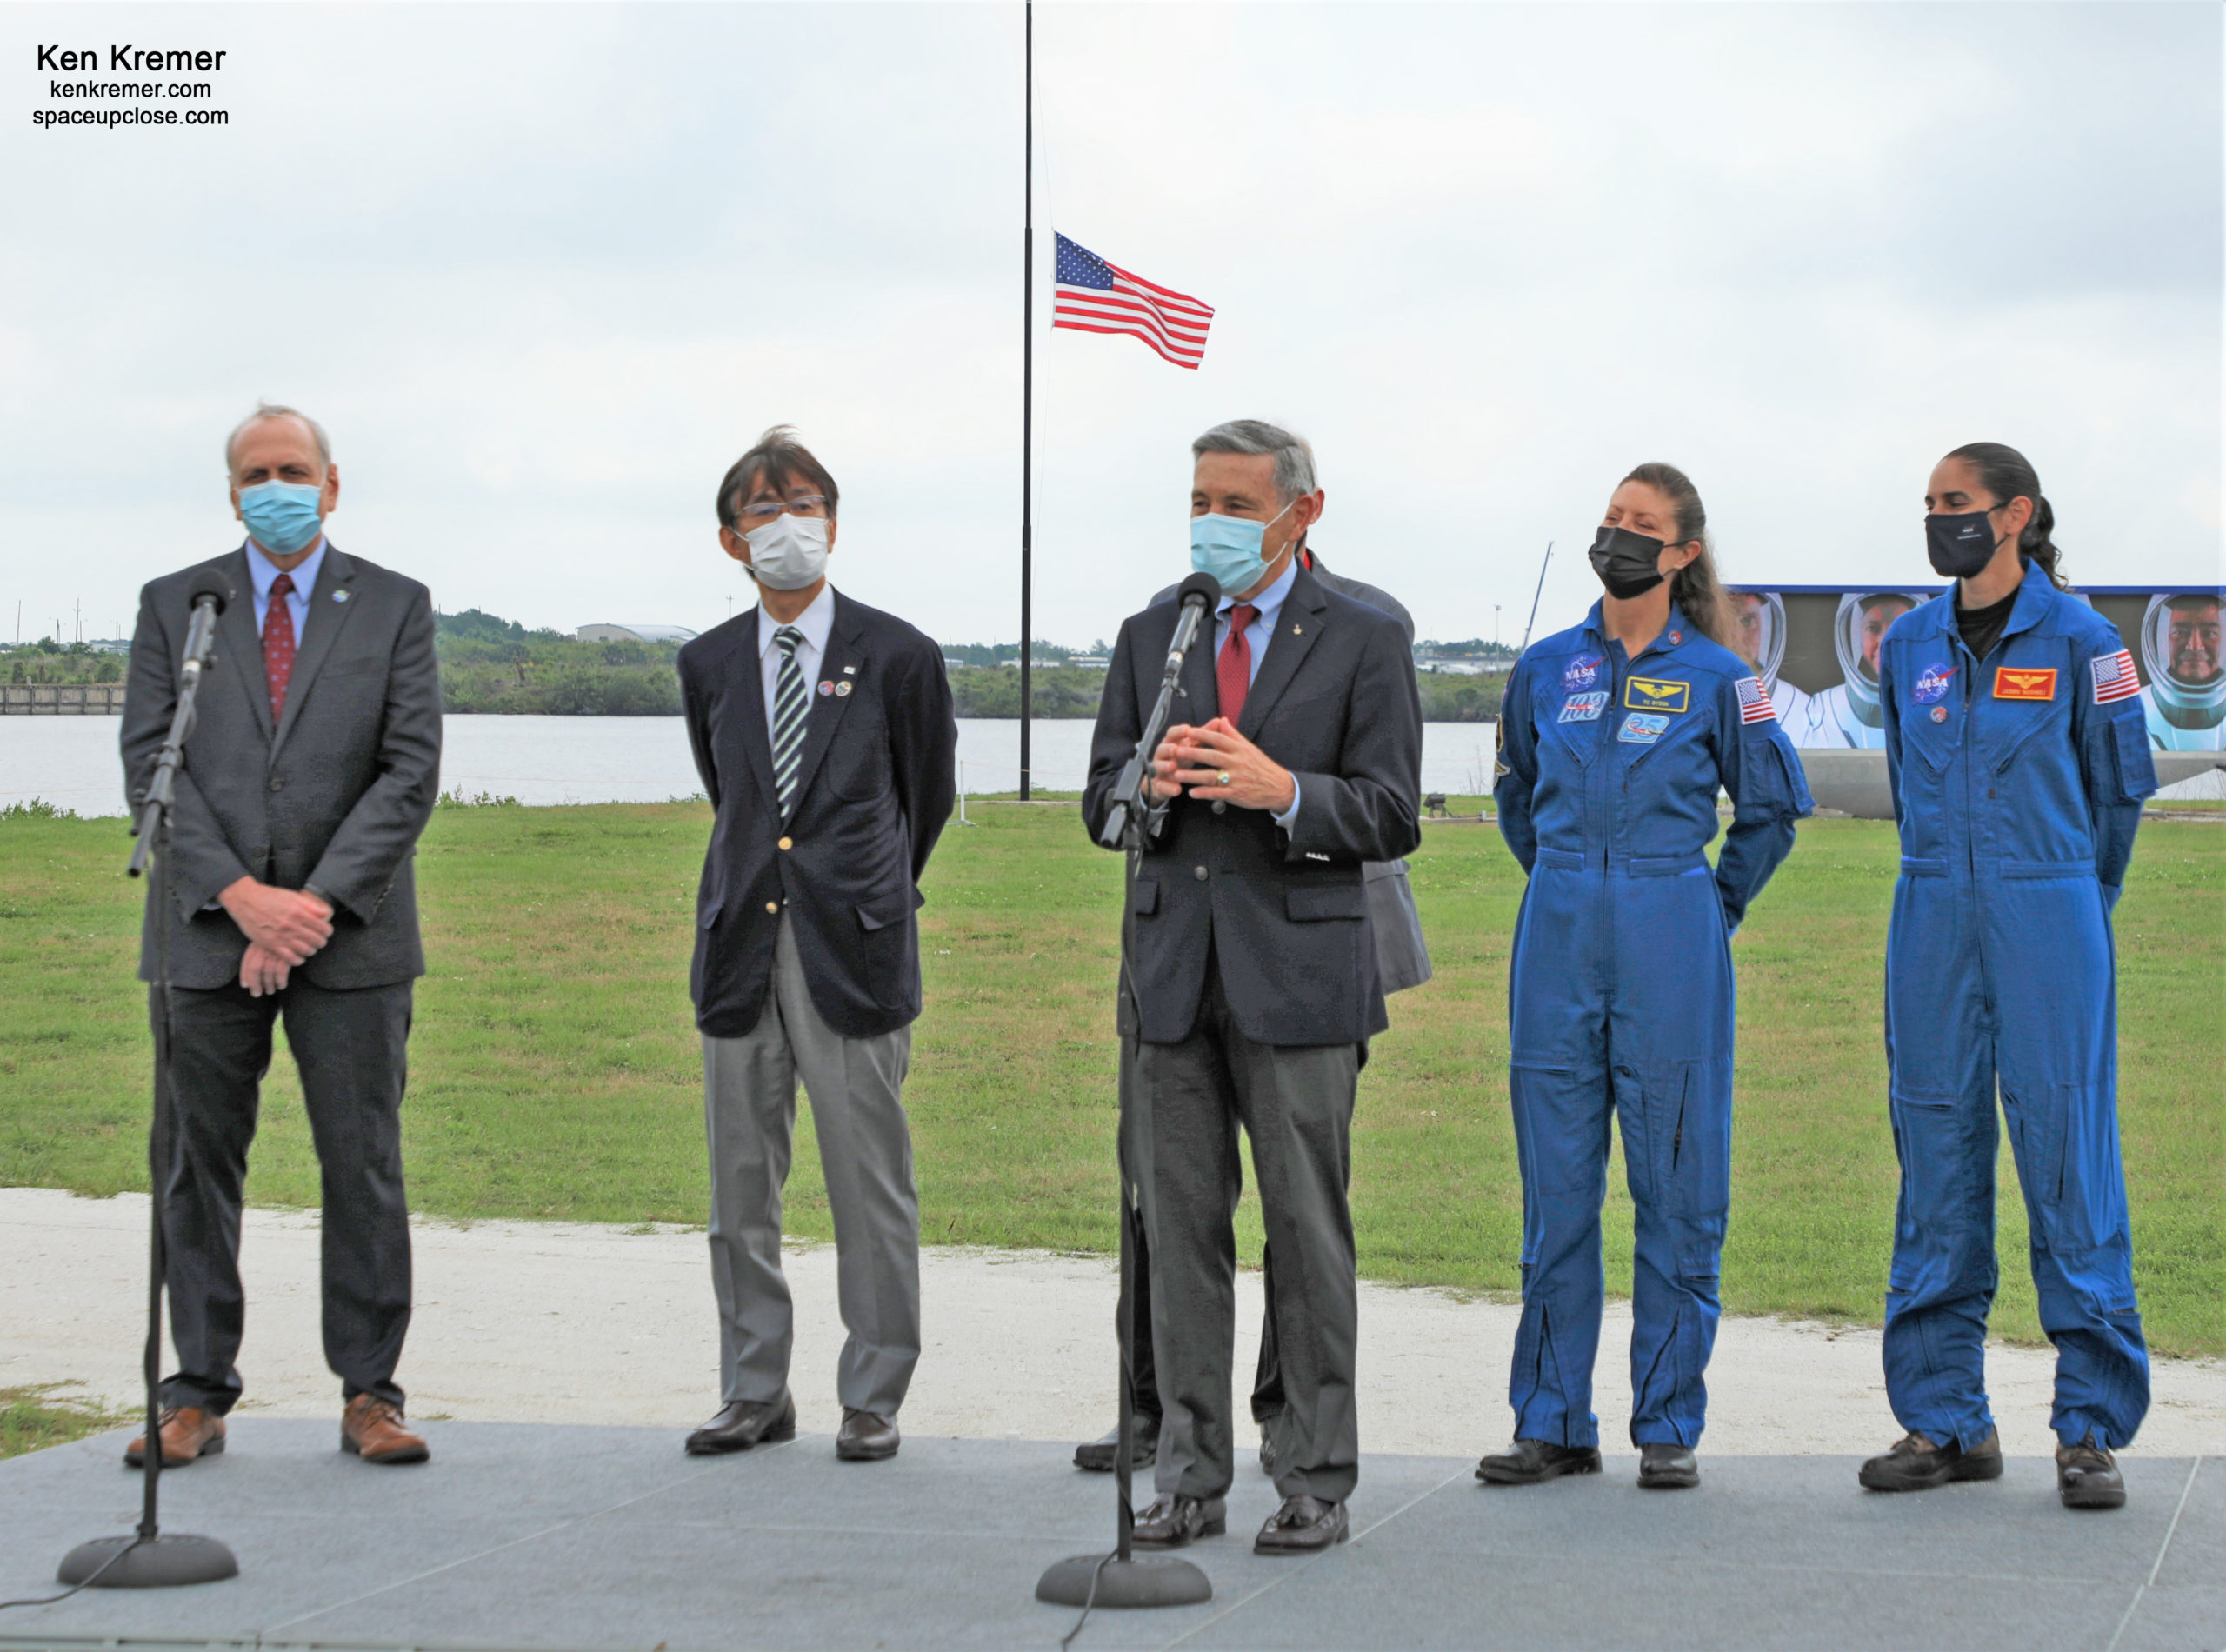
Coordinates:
189 1434
866 1437
373 1429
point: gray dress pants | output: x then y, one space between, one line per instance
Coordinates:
1184 1104
865 1147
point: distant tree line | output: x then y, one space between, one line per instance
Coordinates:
48 661
491 664
497 665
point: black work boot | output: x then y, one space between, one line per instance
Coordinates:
1916 1464
2087 1477
1530 1463
1666 1466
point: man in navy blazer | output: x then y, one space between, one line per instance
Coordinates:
822 729
1249 984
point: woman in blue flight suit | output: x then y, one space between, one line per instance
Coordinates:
1615 738
2019 756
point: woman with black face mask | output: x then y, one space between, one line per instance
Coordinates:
2019 756
1615 738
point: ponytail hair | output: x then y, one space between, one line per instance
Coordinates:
2007 474
1695 588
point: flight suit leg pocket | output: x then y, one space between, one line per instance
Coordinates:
1943 1226
2075 1196
1697 1157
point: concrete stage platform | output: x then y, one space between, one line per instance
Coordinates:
519 1535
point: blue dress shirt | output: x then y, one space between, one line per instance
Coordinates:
261 570
1257 636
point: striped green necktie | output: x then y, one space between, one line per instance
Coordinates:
790 703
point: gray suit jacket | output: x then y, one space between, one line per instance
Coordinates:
1402 959
334 795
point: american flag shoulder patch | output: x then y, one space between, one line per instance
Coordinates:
1754 701
2115 677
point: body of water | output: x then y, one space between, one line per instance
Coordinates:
71 762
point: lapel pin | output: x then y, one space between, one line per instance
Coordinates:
827 688
340 596
1295 629
841 688
850 670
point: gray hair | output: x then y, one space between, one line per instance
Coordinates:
278 410
1294 455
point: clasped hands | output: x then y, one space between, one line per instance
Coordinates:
283 927
1219 764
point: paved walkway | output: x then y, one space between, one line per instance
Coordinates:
570 1323
594 1537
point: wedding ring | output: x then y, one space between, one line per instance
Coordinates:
1221 777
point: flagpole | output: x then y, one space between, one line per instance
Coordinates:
1027 384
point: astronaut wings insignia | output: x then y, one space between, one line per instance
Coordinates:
2019 682
1656 694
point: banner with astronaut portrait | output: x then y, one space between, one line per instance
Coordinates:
1815 649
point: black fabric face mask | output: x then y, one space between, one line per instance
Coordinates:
1959 545
1629 565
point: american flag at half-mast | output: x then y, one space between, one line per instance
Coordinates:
1095 296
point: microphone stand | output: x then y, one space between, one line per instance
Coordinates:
151 1558
1119 1579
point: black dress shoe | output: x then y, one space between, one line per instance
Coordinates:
1530 1463
2087 1477
866 1436
1097 1455
1667 1467
1303 1525
740 1424
1174 1520
1916 1464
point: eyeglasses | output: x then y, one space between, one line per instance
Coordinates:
804 505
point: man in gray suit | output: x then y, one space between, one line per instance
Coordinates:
312 769
1402 960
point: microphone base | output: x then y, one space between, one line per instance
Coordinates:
169 1560
1123 1583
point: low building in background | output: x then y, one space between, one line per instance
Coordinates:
634 634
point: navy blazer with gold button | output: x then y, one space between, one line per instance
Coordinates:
876 782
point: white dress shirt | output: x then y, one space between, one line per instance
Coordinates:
1257 636
815 622
264 574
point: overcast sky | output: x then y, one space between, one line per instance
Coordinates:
544 271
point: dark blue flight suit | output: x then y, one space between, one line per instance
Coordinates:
2017 784
1621 998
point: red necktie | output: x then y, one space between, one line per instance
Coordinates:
1233 671
278 643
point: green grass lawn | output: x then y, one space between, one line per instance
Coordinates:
34 1418
557 1072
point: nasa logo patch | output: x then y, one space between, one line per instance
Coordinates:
1642 728
1584 708
1931 685
1582 672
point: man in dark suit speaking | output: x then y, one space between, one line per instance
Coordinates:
1249 981
822 729
313 768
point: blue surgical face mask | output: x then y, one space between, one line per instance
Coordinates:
281 517
1229 549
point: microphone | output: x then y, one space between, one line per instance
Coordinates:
1199 595
206 598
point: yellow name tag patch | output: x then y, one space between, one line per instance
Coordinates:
1654 694
2011 682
